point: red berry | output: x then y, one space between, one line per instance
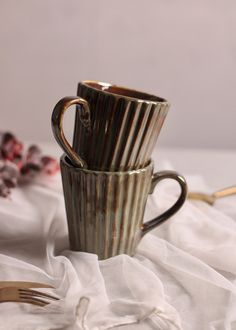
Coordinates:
33 152
11 148
50 165
33 161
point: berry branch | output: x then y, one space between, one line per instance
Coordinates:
17 165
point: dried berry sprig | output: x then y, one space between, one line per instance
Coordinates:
49 165
11 148
33 163
17 165
9 173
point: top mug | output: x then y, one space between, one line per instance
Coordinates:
115 129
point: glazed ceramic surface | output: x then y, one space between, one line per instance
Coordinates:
115 128
105 209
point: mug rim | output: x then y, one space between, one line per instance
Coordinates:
66 160
121 91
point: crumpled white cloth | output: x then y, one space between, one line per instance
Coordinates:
183 275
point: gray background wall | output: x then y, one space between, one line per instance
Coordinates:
183 50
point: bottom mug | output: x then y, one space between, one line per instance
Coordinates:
105 209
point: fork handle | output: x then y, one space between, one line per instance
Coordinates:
225 192
22 284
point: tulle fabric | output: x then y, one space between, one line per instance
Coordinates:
182 277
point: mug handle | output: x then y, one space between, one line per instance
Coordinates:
57 127
157 177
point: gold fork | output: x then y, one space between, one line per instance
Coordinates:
210 198
23 295
24 284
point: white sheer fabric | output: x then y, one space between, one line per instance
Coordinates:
182 276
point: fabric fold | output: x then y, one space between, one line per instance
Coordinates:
182 277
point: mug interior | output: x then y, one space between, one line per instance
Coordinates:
123 91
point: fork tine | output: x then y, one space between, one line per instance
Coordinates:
35 293
33 301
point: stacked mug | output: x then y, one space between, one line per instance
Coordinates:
107 173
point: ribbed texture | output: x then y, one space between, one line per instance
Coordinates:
105 210
124 131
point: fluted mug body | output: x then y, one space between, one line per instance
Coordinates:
115 128
105 209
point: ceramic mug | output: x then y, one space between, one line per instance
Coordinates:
105 209
115 129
